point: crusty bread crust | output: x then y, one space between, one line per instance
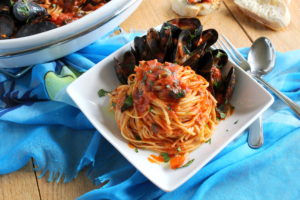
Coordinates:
182 8
275 25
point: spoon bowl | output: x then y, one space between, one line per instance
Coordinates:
261 56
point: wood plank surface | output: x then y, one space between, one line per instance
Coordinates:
65 191
228 20
20 185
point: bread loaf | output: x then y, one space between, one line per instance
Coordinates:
272 13
183 8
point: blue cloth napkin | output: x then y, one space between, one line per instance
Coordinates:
39 121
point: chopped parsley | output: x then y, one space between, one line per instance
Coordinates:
221 113
113 104
208 141
128 103
137 137
150 109
217 84
102 93
178 149
165 156
187 164
136 150
179 94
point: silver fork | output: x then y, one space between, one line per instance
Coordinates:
255 136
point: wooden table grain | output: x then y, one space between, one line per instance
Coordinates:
228 20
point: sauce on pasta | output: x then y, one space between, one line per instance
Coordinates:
165 108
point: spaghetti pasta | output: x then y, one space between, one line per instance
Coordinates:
165 108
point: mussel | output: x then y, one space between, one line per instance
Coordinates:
37 25
24 10
7 24
23 18
183 41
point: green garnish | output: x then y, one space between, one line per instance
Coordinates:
217 84
102 93
187 164
168 71
178 149
136 150
165 156
208 141
137 137
179 94
186 50
167 27
150 109
221 113
128 103
220 54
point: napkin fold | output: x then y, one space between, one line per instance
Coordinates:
38 120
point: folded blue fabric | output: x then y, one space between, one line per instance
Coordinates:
39 121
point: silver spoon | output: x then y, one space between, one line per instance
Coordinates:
261 62
261 58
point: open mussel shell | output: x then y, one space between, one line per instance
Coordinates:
159 43
38 25
180 24
220 58
184 47
195 57
25 10
7 26
210 36
205 63
142 50
125 67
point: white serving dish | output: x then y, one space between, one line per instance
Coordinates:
56 43
249 99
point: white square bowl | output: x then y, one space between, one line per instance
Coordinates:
249 99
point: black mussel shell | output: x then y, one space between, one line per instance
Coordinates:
25 10
229 84
125 67
180 24
205 63
142 49
193 60
7 26
5 7
35 26
210 36
220 58
166 44
190 24
184 47
157 49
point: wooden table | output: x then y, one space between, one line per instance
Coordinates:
24 184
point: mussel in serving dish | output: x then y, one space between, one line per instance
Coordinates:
20 18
